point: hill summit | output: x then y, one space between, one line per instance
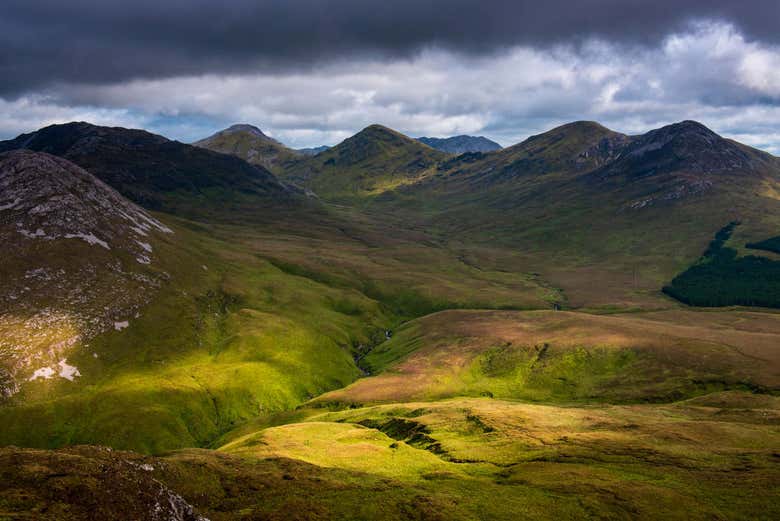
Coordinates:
374 160
250 144
245 127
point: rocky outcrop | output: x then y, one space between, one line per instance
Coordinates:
78 257
88 482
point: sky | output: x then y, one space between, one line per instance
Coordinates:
313 72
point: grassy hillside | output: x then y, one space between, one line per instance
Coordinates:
229 337
567 206
374 160
479 458
561 415
565 357
256 321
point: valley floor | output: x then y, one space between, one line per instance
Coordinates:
329 373
474 415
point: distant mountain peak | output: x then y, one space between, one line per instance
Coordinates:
250 144
376 127
244 127
371 140
461 144
685 129
375 159
381 132
582 128
582 124
241 128
690 124
313 151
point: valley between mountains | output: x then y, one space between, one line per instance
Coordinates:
581 325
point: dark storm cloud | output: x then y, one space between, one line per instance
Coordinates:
45 42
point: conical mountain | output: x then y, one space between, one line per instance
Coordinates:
374 160
574 147
250 144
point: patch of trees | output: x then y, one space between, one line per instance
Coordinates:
772 245
720 278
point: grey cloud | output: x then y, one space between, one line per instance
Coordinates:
709 72
44 42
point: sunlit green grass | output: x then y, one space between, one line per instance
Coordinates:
230 338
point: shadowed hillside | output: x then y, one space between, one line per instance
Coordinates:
155 172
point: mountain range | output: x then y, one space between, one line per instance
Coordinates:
580 325
250 144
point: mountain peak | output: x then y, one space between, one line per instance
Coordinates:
461 144
687 156
573 132
377 131
245 127
61 138
372 141
687 129
688 138
375 159
250 144
376 127
582 126
690 124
